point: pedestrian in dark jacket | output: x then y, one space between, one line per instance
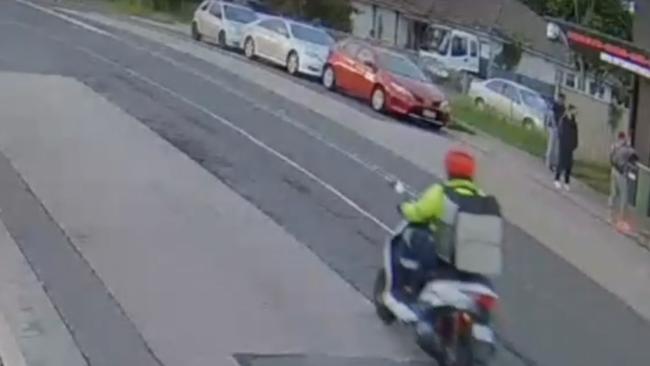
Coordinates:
568 143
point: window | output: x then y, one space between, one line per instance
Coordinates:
266 24
239 15
534 101
570 80
511 93
496 86
366 55
275 25
400 65
351 48
596 90
280 28
215 9
311 35
474 49
204 6
459 46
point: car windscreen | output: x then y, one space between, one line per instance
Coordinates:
311 35
400 65
240 15
534 101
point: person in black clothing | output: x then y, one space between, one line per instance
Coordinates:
568 138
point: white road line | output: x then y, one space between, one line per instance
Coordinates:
66 18
247 135
230 125
279 113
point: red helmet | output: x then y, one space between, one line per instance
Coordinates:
460 165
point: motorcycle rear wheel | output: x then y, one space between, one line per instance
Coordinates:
448 349
383 312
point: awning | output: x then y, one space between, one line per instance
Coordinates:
618 52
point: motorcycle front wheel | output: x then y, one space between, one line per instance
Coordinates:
383 312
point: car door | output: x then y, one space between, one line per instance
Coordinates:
493 95
344 64
260 34
519 108
364 72
278 41
512 101
214 20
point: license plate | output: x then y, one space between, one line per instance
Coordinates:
482 333
429 114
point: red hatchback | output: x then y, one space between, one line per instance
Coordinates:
388 80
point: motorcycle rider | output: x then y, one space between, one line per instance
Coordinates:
420 248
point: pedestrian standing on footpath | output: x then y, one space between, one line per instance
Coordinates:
622 156
553 120
568 143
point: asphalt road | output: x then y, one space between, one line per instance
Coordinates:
551 313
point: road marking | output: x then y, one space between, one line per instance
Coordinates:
228 124
278 113
66 18
245 134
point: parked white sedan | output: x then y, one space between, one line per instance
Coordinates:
221 22
301 48
517 102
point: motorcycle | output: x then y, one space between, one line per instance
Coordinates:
454 313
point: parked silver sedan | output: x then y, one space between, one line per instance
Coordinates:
301 48
221 22
515 101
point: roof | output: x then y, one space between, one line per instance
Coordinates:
508 19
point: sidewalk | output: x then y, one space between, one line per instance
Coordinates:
572 224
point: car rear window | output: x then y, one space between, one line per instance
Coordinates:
400 65
240 15
311 35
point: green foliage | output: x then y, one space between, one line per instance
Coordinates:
607 16
510 56
332 13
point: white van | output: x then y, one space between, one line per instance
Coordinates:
456 49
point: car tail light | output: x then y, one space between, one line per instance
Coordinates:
487 302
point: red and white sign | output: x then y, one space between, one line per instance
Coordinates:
627 65
628 59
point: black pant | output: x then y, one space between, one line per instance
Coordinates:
564 168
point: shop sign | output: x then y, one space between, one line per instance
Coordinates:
617 55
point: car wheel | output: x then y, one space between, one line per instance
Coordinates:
249 48
329 78
378 99
480 104
293 63
221 39
528 123
195 32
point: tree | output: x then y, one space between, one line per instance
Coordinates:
331 13
606 16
